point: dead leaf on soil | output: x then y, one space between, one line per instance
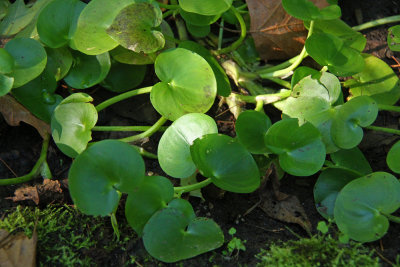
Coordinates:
13 112
17 250
276 34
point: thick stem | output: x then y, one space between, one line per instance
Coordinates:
35 170
280 66
389 108
161 5
145 153
123 96
147 133
266 99
392 218
383 129
188 188
259 106
124 128
377 22
281 82
168 13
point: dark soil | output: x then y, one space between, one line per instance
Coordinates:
20 148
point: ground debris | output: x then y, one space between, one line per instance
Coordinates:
17 250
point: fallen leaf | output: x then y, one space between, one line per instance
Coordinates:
26 193
277 35
17 250
13 112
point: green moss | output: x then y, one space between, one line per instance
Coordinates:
316 251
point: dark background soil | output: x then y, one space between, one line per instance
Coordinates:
20 148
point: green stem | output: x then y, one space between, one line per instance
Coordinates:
259 106
281 82
377 22
124 128
192 187
221 34
168 13
123 96
161 5
266 99
147 133
383 129
392 218
114 222
239 41
35 170
280 66
389 108
145 153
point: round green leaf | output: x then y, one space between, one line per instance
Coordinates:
352 159
90 36
102 171
172 235
328 186
306 10
198 31
134 28
229 165
393 158
377 80
123 77
57 22
198 20
88 70
187 84
30 59
205 7
346 128
6 84
151 195
59 61
361 204
7 62
393 38
72 122
127 56
38 96
251 127
174 146
302 72
300 149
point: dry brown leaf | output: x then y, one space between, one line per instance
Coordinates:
17 250
13 112
276 34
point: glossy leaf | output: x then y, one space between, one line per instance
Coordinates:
198 31
174 234
300 149
365 201
227 162
7 62
127 56
123 77
251 127
59 61
187 84
100 173
393 158
393 38
16 19
6 84
30 59
328 186
302 72
134 28
350 117
306 10
88 70
151 195
197 19
205 7
57 22
174 146
72 122
352 159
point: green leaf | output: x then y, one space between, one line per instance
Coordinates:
393 158
187 84
328 186
377 80
127 56
72 122
134 28
361 205
90 36
57 22
393 38
223 84
197 19
205 7
350 117
59 61
352 159
229 165
251 127
174 234
198 31
174 146
302 72
88 70
151 195
7 62
300 149
306 10
100 173
6 84
30 59
4 5
123 77
38 96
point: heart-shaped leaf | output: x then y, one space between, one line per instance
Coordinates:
174 234
7 62
352 159
306 10
174 146
328 186
187 84
123 77
102 171
30 59
72 122
57 22
88 70
300 149
362 204
127 56
205 7
227 162
346 128
197 19
151 195
251 127
59 61
393 38
393 158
